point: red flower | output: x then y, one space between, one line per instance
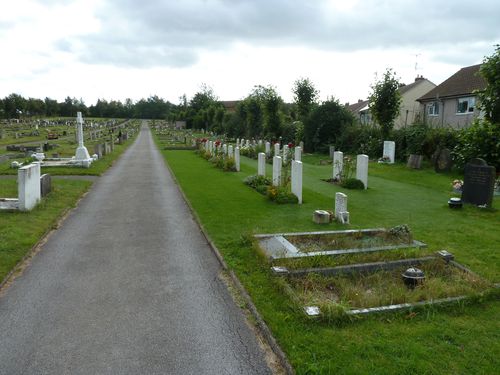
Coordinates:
290 145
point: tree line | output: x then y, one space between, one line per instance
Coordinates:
15 106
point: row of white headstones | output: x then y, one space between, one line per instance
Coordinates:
280 158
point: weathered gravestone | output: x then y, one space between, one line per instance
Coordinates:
414 161
45 184
332 150
442 160
479 183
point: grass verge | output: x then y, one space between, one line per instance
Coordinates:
20 231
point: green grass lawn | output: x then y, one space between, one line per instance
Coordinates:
463 339
20 231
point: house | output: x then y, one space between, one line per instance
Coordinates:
410 107
454 102
361 111
230 105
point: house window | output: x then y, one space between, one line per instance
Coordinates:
466 105
433 109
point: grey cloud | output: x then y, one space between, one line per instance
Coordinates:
174 32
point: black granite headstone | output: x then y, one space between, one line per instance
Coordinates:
443 161
479 182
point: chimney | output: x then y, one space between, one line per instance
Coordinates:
419 78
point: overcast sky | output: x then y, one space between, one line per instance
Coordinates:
118 49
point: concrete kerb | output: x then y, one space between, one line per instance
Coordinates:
260 324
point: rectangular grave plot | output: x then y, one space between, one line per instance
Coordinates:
306 244
379 290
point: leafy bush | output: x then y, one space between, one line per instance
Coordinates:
481 140
281 195
352 183
256 180
229 165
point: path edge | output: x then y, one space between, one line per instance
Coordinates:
259 322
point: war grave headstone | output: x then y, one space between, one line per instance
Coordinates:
479 183
297 179
268 148
298 153
237 158
261 167
277 163
362 169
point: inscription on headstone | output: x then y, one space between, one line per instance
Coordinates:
479 183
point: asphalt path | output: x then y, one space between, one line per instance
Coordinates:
127 285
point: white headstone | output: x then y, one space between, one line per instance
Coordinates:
247 144
276 149
389 150
261 167
297 179
224 149
341 213
277 162
268 148
301 144
298 153
285 153
237 142
230 151
237 158
28 186
338 164
362 169
260 143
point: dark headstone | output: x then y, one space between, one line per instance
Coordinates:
479 183
443 161
99 149
414 161
45 184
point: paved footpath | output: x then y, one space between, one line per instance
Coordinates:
127 285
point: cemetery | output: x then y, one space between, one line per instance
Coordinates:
75 146
346 269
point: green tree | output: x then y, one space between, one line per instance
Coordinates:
305 96
326 124
490 97
271 104
385 101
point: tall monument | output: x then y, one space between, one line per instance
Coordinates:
82 153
